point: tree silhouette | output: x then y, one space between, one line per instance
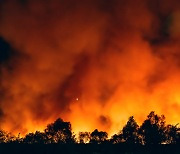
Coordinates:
6 137
19 139
117 138
59 132
3 136
173 134
98 137
37 137
153 129
130 132
84 137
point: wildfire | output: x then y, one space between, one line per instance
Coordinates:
93 63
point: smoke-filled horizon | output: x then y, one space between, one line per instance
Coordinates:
93 62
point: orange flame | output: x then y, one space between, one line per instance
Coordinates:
93 63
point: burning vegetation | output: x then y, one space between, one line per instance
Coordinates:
153 131
93 63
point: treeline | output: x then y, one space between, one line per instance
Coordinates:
153 131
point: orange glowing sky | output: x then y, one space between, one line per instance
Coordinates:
93 63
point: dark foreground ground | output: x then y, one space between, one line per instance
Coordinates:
87 149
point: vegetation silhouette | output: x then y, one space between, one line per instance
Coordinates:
152 136
37 137
59 132
84 137
153 129
130 132
98 137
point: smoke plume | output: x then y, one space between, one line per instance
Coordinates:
93 62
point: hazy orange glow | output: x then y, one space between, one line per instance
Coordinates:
93 63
